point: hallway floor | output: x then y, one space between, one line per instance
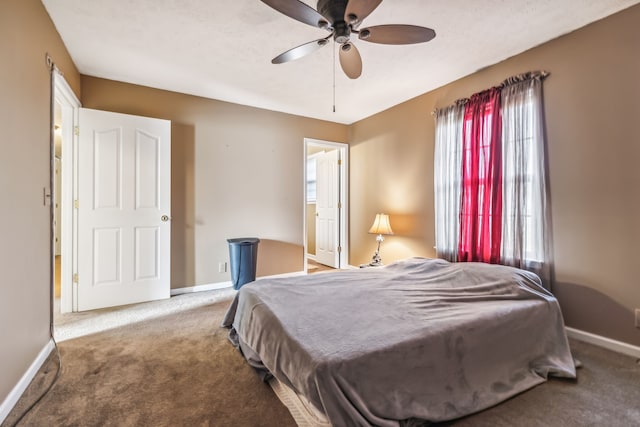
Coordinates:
315 267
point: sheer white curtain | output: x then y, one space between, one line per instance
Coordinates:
525 225
447 179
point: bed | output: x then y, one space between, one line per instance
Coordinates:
419 339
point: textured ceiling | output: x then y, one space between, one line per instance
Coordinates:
222 49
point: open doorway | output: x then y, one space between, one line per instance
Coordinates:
122 193
65 113
57 202
325 205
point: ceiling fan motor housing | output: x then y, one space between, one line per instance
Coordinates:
335 10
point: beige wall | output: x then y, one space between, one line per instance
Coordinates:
26 35
592 102
237 171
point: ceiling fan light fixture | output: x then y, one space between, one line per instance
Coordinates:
364 34
323 24
352 18
322 42
342 32
346 47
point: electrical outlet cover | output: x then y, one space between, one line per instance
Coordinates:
637 317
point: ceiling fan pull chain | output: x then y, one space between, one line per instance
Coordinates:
334 76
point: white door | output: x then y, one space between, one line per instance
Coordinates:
124 191
327 212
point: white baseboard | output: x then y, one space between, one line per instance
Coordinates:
201 288
292 274
600 341
225 285
311 257
15 394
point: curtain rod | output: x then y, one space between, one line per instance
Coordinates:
530 75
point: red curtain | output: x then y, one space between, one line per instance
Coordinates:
481 208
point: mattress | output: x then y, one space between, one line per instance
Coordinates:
419 339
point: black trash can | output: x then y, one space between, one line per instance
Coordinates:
243 257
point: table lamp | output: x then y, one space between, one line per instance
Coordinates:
381 227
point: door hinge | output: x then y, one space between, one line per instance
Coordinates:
76 130
75 278
339 249
339 205
340 162
76 204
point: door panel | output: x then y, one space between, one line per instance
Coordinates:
107 177
147 152
123 192
327 198
106 256
147 262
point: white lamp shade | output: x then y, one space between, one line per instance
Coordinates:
381 225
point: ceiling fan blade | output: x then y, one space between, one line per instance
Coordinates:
300 51
359 9
396 34
299 11
350 60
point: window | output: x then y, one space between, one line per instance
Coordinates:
447 180
311 179
524 180
501 212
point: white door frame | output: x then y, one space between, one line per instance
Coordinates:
344 196
70 105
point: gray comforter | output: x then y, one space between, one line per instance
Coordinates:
419 338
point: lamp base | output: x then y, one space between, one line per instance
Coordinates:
376 261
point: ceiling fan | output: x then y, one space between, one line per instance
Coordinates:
342 18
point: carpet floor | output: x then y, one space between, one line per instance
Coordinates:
172 370
178 369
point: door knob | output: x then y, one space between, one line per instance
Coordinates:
164 218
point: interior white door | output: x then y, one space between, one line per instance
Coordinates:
124 201
327 209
